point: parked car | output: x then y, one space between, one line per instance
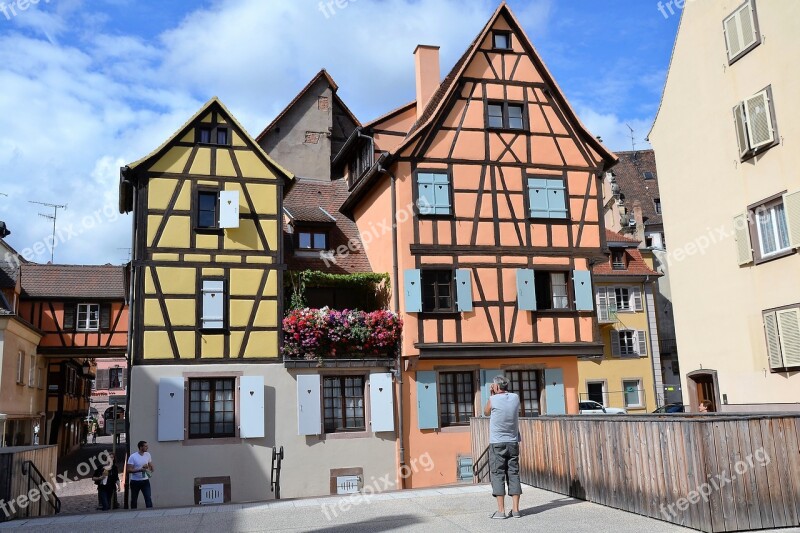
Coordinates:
671 408
589 407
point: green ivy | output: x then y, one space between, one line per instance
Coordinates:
377 283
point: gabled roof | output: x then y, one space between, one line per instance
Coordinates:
334 87
73 281
636 265
390 114
8 266
613 237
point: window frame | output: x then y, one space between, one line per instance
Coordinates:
313 232
657 205
755 231
20 367
639 393
436 308
775 311
234 394
517 380
567 219
214 129
507 35
750 152
87 327
505 104
444 395
33 364
756 27
343 407
113 371
205 190
450 194
622 255
569 296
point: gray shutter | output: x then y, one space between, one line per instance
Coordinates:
251 407
213 304
733 38
538 202
105 317
616 349
69 316
791 206
740 123
486 380
602 305
102 379
464 290
526 290
641 339
747 26
170 409
584 296
759 120
381 402
744 250
229 209
636 298
557 198
441 193
412 284
554 391
789 328
773 340
124 378
309 413
427 400
426 196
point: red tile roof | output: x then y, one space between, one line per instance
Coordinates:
612 236
629 173
636 266
73 281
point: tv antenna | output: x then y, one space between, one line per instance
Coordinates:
128 250
52 217
633 138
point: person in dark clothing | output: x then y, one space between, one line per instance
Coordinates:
106 477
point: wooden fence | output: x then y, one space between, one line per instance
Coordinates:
707 472
15 480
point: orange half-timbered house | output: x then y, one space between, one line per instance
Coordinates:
494 186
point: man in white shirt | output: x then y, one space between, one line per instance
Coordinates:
140 467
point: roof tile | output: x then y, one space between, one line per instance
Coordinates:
73 281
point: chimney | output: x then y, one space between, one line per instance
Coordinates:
426 59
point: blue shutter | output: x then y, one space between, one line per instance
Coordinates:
412 282
464 468
486 379
526 290
582 281
464 290
441 190
381 402
309 412
426 201
537 196
213 304
554 391
170 409
251 401
427 400
556 199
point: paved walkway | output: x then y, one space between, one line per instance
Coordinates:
463 508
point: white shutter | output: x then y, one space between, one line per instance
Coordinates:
381 402
229 209
636 299
309 413
251 407
616 350
773 341
602 304
759 120
791 206
741 227
789 328
732 37
641 340
213 304
740 123
747 26
170 409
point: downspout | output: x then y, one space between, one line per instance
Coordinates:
659 399
396 306
128 355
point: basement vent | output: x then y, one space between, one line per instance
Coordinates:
212 493
464 468
347 484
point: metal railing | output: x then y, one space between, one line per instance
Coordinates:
277 458
36 480
607 314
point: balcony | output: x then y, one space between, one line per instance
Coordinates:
607 314
330 337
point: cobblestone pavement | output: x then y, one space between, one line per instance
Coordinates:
79 496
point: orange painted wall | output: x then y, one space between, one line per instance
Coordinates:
50 321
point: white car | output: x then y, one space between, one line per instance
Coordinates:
589 407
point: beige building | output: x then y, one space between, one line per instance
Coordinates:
726 137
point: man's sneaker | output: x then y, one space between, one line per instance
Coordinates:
497 515
514 514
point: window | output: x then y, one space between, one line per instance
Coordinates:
657 203
772 232
204 135
213 304
619 260
525 383
648 175
207 209
505 115
115 379
312 240
628 343
88 317
632 389
343 400
222 136
433 193
547 198
551 290
622 299
213 135
501 40
741 31
437 291
362 160
755 124
20 367
782 329
456 398
211 408
32 371
596 391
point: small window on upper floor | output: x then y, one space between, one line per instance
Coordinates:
552 291
207 206
501 40
648 175
433 193
756 128
208 134
657 202
505 115
312 240
437 291
547 198
204 135
619 260
741 31
222 136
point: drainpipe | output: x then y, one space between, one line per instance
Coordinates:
396 306
126 173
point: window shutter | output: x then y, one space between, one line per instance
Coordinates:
309 413
584 296
759 120
741 227
616 349
526 290
464 290
557 198
229 209
789 328
427 400
486 380
791 206
102 380
69 317
251 407
641 339
412 283
740 123
170 409
602 304
381 402
537 195
124 377
554 391
773 341
426 201
105 317
747 26
732 36
441 193
636 298
213 304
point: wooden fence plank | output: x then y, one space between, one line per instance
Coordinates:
775 488
793 464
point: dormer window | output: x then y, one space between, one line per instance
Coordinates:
312 240
501 40
618 260
657 202
648 175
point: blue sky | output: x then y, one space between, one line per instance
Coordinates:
86 87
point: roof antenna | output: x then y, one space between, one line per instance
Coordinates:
52 217
633 138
